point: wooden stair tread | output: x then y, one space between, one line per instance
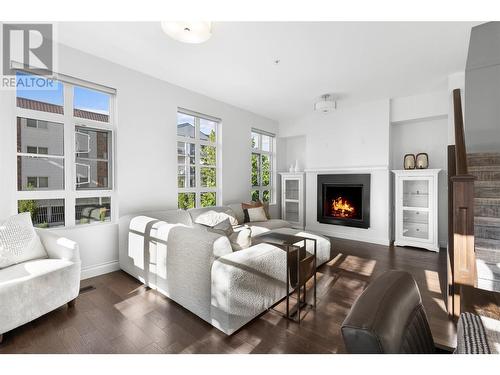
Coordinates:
487 221
481 168
487 243
488 201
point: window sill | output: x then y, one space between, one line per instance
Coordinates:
90 225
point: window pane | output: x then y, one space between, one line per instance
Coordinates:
208 199
185 125
255 140
51 170
266 166
208 177
91 210
93 143
90 104
45 213
92 174
186 200
186 175
43 182
208 155
186 153
93 164
42 137
208 130
266 142
255 169
266 196
255 195
39 93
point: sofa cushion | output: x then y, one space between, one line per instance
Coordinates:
255 214
19 241
195 214
30 269
258 203
212 218
324 251
224 228
241 238
238 212
260 227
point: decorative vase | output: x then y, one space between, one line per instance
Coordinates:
291 168
422 161
296 166
409 161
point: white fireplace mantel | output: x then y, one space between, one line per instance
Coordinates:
348 168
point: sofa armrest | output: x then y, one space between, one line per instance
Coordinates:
189 258
245 283
58 247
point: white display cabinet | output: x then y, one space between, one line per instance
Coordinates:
293 198
416 208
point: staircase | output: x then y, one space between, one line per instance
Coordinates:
486 168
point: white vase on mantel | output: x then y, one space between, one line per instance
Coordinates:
292 167
296 166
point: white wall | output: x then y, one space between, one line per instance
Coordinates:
146 169
428 136
420 123
350 140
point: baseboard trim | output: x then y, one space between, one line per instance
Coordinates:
99 269
374 240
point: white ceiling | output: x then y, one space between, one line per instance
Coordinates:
356 61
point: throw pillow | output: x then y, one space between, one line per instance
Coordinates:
241 238
19 241
212 218
224 228
257 203
255 214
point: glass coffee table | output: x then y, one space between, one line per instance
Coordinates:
300 267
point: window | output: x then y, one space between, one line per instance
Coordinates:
197 160
91 210
38 182
64 153
262 179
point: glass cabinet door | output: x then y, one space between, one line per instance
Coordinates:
292 189
416 224
292 212
416 193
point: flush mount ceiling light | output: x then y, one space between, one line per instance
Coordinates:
326 104
188 31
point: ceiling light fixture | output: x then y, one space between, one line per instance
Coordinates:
326 104
188 31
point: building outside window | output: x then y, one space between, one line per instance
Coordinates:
64 153
262 178
198 180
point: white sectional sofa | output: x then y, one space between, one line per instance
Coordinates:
199 269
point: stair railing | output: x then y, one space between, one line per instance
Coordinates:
462 259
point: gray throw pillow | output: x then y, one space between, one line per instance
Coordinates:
224 227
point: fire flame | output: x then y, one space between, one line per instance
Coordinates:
342 208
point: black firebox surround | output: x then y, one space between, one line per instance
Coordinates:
362 180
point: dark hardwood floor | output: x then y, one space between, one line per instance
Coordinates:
122 316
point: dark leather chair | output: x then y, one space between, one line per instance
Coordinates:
388 317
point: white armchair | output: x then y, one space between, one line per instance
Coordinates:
31 289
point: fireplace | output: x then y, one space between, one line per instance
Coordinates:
344 199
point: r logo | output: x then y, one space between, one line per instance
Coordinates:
30 45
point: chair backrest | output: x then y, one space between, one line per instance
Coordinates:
388 317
